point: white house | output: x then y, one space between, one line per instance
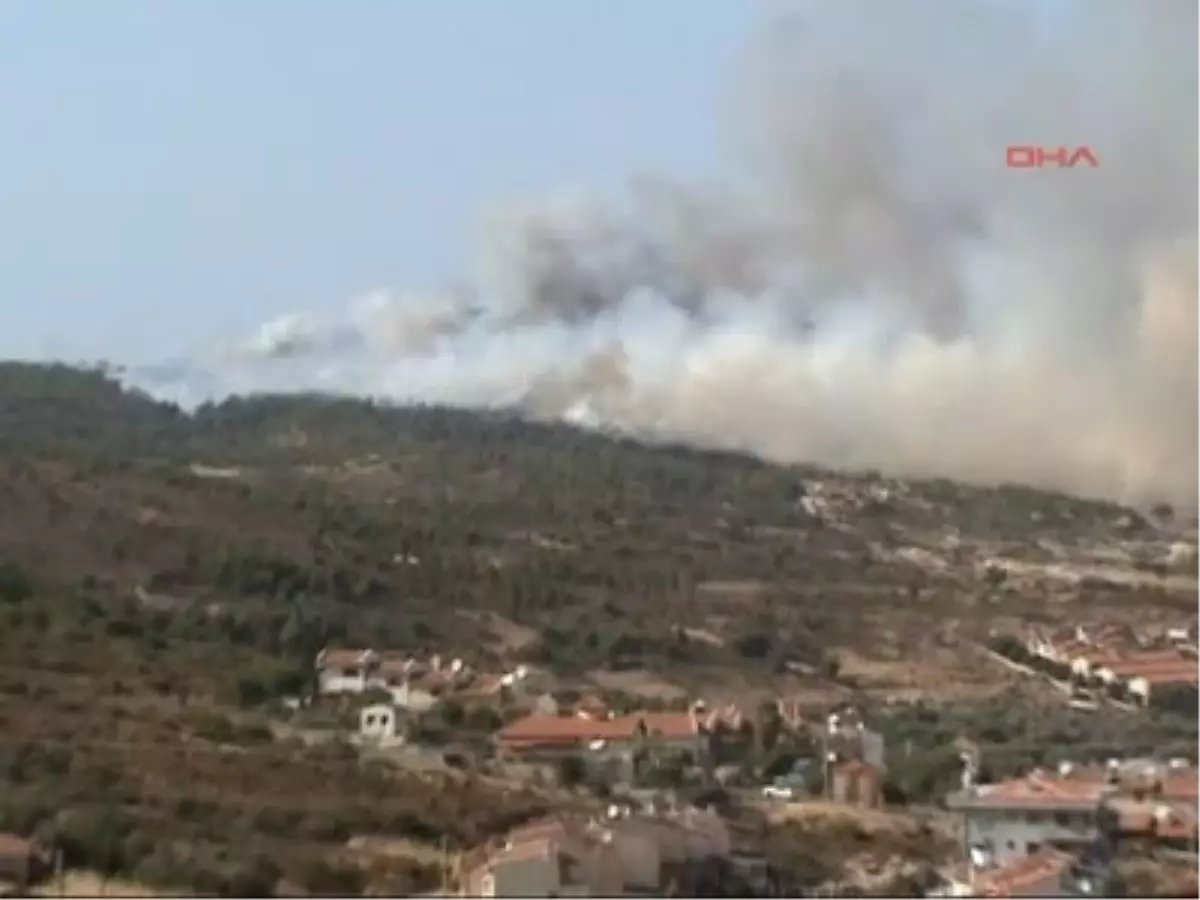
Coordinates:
378 723
1017 818
343 671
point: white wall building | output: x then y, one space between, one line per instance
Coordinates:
378 723
345 671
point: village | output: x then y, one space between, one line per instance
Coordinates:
679 795
676 798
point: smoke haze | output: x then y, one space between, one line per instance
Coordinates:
869 286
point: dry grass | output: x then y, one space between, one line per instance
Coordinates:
637 683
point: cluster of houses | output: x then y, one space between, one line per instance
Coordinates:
852 764
413 682
608 746
1050 834
1112 655
414 685
628 853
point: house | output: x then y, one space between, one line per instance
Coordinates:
345 671
1016 818
1168 822
625 854
1081 647
23 861
1113 668
1091 663
550 737
392 671
1142 683
856 783
1021 816
378 723
1047 873
550 859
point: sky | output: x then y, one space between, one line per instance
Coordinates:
174 172
791 236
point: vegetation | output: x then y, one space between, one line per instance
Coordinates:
166 577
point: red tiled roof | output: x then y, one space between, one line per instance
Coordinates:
1084 789
1136 663
666 724
1183 672
1153 817
1024 873
344 657
535 730
1146 657
1182 784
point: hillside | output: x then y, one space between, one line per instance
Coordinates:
164 575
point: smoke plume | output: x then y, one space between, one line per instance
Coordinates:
869 285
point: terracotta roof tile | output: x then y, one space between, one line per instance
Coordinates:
1182 784
1172 820
533 730
344 657
1084 789
1117 657
1183 672
395 666
1134 664
1024 873
667 724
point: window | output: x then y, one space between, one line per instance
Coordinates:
370 720
1063 820
1032 847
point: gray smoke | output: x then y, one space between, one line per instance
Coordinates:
870 285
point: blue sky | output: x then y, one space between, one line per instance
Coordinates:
171 173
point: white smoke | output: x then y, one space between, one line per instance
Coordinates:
872 287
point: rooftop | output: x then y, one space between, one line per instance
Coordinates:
1082 787
1154 817
1138 663
1183 672
1024 874
536 730
344 657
